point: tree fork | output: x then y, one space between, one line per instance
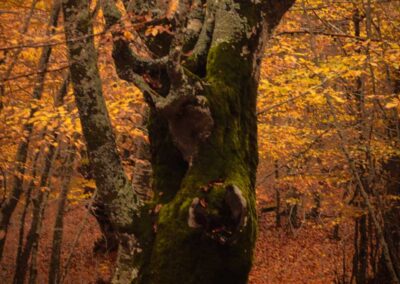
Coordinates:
195 240
217 175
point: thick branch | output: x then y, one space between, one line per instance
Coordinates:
198 58
123 55
275 9
195 22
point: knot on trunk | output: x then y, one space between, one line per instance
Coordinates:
222 222
127 241
189 118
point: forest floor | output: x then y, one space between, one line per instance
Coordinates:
308 254
305 255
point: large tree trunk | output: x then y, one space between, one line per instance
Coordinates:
206 227
201 235
201 225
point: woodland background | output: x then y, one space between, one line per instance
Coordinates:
329 133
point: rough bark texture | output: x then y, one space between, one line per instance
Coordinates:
114 189
198 236
201 225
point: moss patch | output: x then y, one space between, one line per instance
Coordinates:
188 255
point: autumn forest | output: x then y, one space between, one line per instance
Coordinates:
200 141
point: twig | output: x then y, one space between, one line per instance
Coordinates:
36 73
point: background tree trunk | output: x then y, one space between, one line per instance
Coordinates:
10 204
67 172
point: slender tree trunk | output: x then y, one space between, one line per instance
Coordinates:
34 237
362 273
277 196
54 272
28 194
114 189
39 204
316 209
66 175
361 164
10 204
21 231
355 256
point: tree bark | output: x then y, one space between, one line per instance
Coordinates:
114 189
199 237
201 225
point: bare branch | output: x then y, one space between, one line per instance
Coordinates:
323 33
202 46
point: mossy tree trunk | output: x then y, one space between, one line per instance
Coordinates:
201 225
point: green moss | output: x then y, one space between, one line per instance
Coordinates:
181 254
187 255
168 170
227 66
